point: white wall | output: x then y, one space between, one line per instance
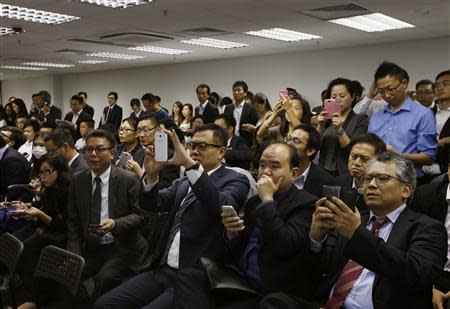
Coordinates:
308 72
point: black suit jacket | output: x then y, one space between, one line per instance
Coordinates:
443 152
201 230
14 169
79 164
431 200
249 115
209 113
123 208
317 177
405 266
89 110
114 117
82 117
284 234
240 154
56 112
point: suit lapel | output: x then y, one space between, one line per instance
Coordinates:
113 187
440 209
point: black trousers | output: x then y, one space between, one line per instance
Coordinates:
193 290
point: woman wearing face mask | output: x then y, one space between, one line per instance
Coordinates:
48 217
341 128
38 151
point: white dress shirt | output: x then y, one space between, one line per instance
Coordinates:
26 148
237 113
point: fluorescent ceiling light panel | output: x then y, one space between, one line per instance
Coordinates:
6 31
120 4
15 67
50 65
214 43
372 22
92 61
160 50
32 15
115 56
283 35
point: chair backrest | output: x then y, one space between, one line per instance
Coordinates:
61 266
10 250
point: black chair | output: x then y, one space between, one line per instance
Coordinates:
61 266
10 250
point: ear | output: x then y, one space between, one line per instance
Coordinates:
295 173
407 191
310 151
222 152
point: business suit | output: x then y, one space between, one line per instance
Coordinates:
55 112
79 164
443 152
249 115
129 252
210 112
14 169
200 234
83 116
89 110
316 178
238 154
114 117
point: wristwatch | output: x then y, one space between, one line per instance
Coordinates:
340 132
193 167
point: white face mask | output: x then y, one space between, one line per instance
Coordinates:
39 151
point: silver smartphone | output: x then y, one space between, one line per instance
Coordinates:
124 158
161 147
229 209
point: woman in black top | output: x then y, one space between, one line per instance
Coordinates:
129 143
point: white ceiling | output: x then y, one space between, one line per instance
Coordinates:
40 42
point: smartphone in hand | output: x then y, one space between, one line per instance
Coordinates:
229 209
284 94
331 107
330 191
161 147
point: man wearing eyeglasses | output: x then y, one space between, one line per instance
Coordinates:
194 226
406 127
386 258
104 219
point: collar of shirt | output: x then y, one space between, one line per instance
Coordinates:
406 106
447 197
2 151
392 216
229 141
112 106
73 159
203 105
104 177
240 105
304 174
439 111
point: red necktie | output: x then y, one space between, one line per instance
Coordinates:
350 274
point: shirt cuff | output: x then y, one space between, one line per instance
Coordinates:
147 187
316 246
194 175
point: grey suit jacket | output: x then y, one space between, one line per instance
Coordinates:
123 207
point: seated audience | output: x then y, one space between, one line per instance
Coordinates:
238 154
205 108
337 130
177 115
86 127
263 246
30 129
193 229
77 115
129 143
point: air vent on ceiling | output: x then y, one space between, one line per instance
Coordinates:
135 38
204 31
99 42
71 51
337 11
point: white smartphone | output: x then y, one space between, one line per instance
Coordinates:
230 209
161 147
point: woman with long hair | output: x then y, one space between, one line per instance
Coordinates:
177 115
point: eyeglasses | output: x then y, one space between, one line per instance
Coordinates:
382 92
45 173
126 130
379 179
145 130
201 146
293 140
98 149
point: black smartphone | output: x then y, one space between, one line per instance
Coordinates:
350 197
330 191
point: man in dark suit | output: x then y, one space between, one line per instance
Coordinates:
112 113
104 218
442 89
86 107
206 109
77 115
46 99
60 141
388 258
14 169
238 153
242 112
193 228
306 141
261 254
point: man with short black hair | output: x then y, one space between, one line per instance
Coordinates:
86 127
34 108
425 94
238 154
152 105
30 130
205 108
46 99
112 114
77 115
86 107
13 136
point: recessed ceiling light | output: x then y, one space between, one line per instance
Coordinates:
372 22
115 56
32 15
51 65
6 31
283 35
160 50
214 43
92 61
15 67
121 4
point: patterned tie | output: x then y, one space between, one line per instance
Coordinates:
190 197
96 202
350 274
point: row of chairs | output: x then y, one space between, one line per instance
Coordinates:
56 264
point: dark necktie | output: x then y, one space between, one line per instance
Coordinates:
349 274
107 114
190 197
96 202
